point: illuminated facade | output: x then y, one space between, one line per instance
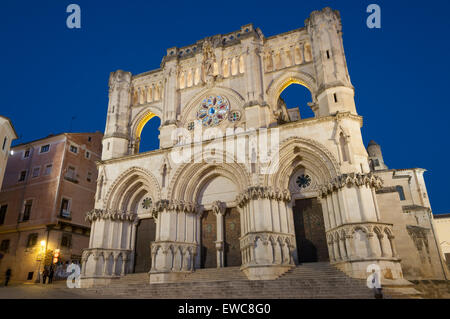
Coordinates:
220 197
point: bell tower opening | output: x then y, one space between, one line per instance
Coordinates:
147 133
295 97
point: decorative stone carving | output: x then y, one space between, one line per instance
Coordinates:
353 179
109 214
209 58
174 205
218 207
260 192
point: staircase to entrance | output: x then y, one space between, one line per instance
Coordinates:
309 280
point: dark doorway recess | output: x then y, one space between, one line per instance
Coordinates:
145 235
310 231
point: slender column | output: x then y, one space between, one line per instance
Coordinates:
377 209
115 265
393 246
361 204
220 240
349 246
371 239
105 264
331 250
185 258
343 206
83 265
337 211
331 212
325 213
342 249
382 246
337 255
153 258
219 210
124 262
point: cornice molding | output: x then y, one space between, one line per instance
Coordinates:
262 192
349 180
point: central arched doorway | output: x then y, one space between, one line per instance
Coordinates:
220 231
308 217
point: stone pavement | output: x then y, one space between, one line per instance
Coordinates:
40 291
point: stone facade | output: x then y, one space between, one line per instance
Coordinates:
7 135
49 185
229 144
442 226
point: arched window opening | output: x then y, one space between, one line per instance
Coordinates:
295 99
148 137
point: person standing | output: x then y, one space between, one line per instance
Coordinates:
51 274
44 275
8 276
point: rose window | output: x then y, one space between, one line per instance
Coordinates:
146 203
303 181
213 110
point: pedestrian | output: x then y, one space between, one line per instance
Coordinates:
378 293
51 274
8 276
44 275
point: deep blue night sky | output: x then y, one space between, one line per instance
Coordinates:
400 72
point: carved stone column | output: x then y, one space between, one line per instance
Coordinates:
172 256
105 221
219 210
259 246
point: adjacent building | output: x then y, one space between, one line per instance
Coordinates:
7 135
442 225
403 201
49 184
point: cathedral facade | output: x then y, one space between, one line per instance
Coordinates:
240 180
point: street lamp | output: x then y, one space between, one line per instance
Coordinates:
41 255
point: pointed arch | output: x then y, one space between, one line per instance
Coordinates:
130 182
189 178
283 81
295 151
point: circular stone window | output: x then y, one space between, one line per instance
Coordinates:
303 181
235 116
146 203
213 110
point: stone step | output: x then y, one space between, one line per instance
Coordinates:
314 280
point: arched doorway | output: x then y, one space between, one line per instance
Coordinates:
308 217
220 226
